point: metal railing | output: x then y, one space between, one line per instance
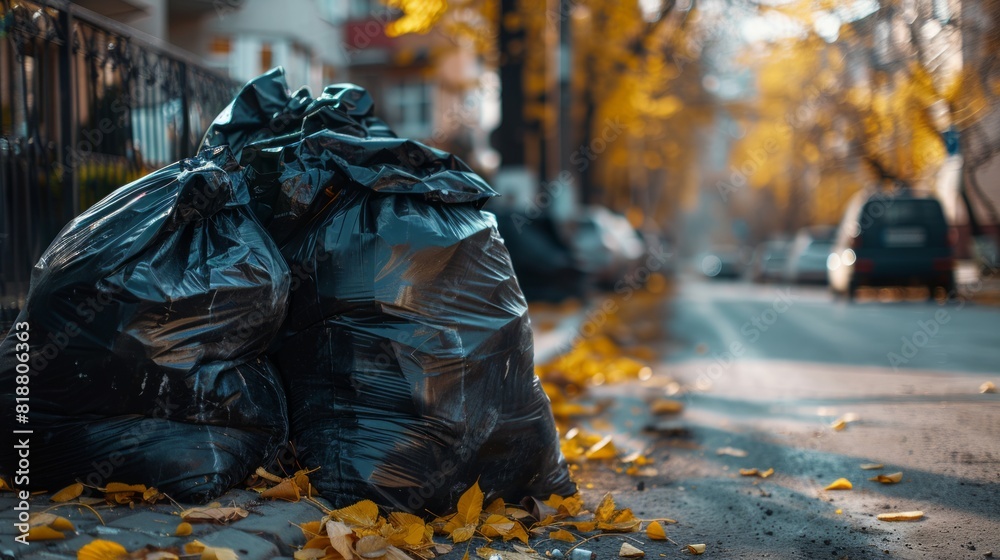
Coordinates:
86 105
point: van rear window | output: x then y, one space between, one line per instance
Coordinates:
908 213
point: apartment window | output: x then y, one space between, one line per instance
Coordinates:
266 57
410 108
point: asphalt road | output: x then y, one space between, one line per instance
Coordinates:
767 370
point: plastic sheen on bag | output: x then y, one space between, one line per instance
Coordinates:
406 353
148 318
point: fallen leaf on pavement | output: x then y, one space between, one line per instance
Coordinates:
44 533
888 478
287 490
840 484
569 506
629 551
361 514
611 519
101 549
656 532
68 493
214 514
4 487
666 406
696 548
562 535
988 387
371 546
119 493
756 472
604 449
900 516
339 535
183 529
210 552
872 466
838 424
732 451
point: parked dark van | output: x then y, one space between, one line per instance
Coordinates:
898 238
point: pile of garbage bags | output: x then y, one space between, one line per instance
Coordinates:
307 275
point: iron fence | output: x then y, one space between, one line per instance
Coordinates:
86 105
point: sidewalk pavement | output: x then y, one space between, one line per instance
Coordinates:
270 531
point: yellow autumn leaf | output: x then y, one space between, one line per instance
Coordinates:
210 552
569 506
183 529
470 505
151 495
318 543
44 533
517 532
102 550
900 516
496 526
287 490
840 484
371 546
311 529
666 406
872 466
603 449
115 487
888 478
463 533
213 514
68 493
4 487
767 473
340 536
360 514
988 387
562 535
62 524
605 509
582 526
656 532
409 530
748 472
838 424
301 479
696 548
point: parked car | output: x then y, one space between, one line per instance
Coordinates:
604 245
769 261
889 239
808 255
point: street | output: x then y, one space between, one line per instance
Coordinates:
767 370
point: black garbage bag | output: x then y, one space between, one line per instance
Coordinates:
544 264
407 352
148 317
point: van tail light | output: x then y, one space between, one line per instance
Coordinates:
864 265
944 264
